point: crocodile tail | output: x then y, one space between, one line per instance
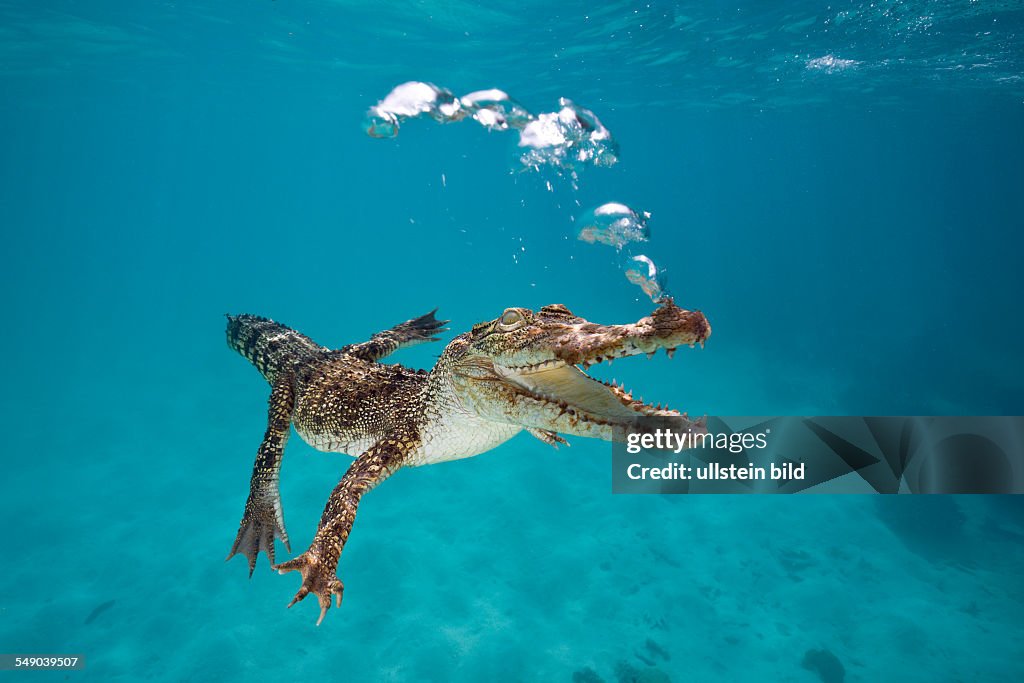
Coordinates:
270 346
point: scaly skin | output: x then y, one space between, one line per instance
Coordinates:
524 370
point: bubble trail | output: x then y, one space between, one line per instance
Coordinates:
565 140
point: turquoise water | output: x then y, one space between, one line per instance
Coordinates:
837 187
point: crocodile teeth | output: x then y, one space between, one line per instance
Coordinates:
650 355
535 367
670 352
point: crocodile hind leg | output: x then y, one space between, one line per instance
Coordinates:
263 520
319 563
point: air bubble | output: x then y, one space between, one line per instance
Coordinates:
410 100
613 224
642 272
495 110
566 139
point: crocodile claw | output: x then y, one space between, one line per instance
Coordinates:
317 578
257 531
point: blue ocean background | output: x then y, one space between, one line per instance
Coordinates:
837 186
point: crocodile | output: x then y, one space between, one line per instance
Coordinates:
525 370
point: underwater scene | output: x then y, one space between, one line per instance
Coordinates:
836 186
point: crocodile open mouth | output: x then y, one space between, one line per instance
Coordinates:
576 392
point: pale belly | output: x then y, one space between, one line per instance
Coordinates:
444 440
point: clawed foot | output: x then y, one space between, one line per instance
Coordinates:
547 436
260 525
317 578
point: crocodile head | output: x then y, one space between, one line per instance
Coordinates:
529 368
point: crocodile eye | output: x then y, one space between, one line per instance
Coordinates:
511 317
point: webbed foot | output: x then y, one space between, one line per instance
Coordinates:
423 328
261 524
318 577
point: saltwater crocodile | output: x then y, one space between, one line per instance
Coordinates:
524 370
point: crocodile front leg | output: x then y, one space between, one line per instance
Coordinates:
263 520
409 333
319 563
